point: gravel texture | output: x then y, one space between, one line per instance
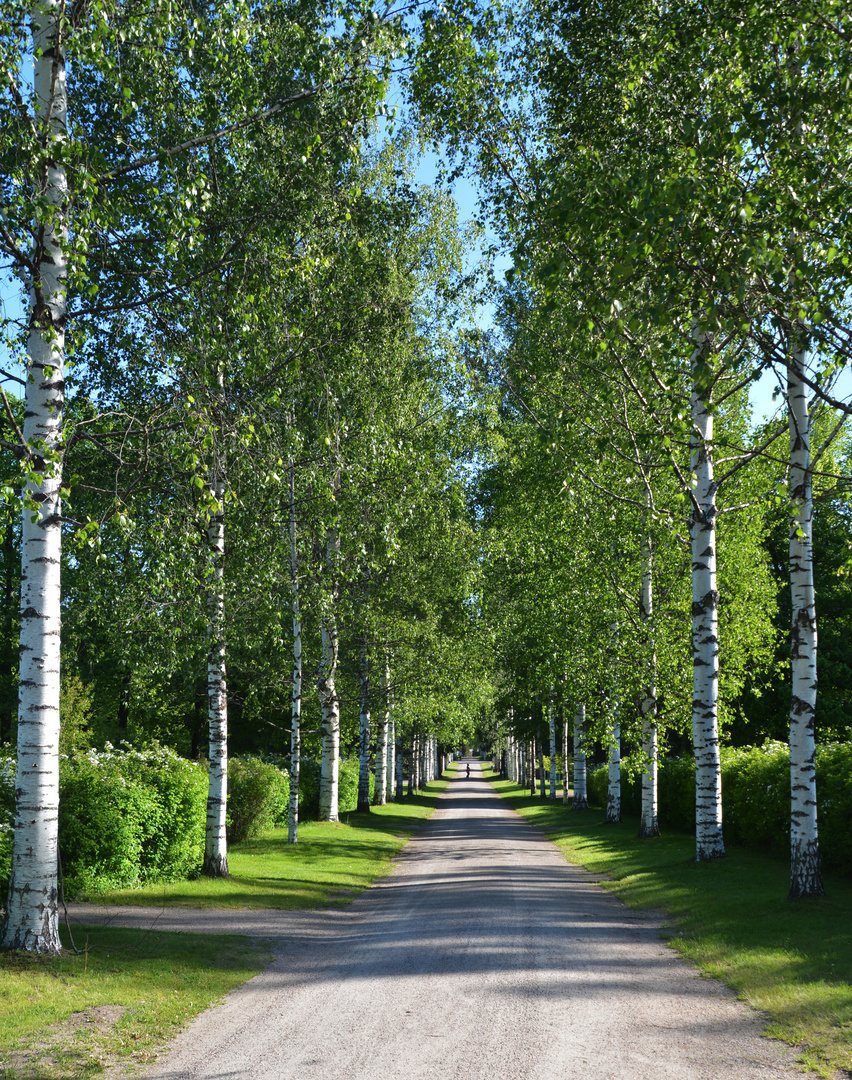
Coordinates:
483 955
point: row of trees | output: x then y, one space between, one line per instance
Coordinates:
239 376
672 186
263 443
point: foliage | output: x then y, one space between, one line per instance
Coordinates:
257 797
129 816
756 797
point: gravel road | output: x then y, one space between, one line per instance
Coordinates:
483 955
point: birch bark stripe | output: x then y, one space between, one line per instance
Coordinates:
705 616
805 873
31 909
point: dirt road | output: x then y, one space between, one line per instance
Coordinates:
484 956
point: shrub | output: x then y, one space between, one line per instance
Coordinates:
258 792
755 797
128 815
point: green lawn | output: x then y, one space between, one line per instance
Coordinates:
791 960
144 985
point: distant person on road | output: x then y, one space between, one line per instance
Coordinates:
468 772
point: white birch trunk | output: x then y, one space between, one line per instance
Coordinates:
805 875
215 840
613 790
30 922
364 732
566 789
382 729
551 723
392 743
532 768
329 702
412 764
705 622
400 767
296 694
581 795
648 820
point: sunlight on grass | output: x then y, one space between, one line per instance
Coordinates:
791 960
125 995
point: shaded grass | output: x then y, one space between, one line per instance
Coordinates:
791 960
142 986
331 864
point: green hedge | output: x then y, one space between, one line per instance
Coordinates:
258 796
128 815
755 797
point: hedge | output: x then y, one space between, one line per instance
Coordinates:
755 797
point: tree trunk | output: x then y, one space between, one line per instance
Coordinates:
581 797
30 922
613 789
391 758
329 701
296 693
566 790
532 768
551 723
382 729
215 839
364 731
705 618
805 875
648 822
400 766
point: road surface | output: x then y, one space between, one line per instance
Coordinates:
483 956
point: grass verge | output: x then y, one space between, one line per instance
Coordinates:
120 1000
731 918
129 992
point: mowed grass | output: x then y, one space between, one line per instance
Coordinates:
128 992
792 960
122 999
331 864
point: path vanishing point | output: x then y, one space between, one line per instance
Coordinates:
483 956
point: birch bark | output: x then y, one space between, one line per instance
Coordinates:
215 839
296 693
364 731
613 791
566 788
551 723
531 767
30 921
382 730
328 698
648 820
805 872
581 796
705 618
400 766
